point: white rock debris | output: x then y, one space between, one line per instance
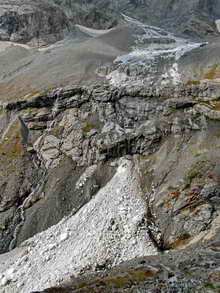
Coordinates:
108 229
63 237
85 176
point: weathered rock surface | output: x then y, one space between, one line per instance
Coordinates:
46 21
132 53
103 233
75 139
195 270
109 147
38 22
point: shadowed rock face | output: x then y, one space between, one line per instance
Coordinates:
30 21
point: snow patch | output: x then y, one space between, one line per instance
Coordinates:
92 32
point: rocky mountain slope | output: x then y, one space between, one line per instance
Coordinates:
159 197
109 147
41 21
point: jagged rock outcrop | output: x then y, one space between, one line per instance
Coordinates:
195 18
74 139
34 22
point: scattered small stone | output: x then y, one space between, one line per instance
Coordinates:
4 281
51 246
113 164
10 272
20 284
134 242
47 258
63 236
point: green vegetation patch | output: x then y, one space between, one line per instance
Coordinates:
3 111
211 74
88 127
193 82
31 94
198 170
11 149
122 280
